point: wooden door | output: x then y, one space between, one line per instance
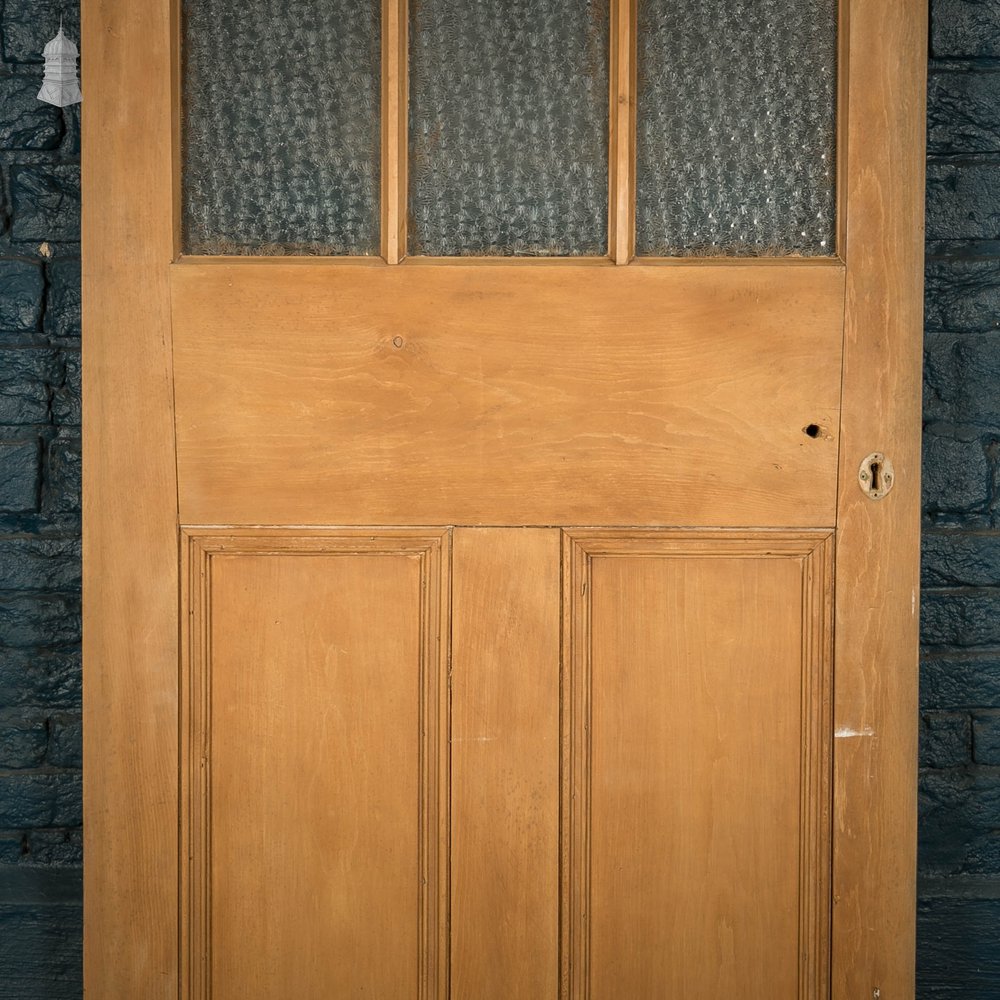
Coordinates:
528 622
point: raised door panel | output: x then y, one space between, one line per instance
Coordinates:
315 797
696 802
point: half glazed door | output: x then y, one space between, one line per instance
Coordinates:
502 496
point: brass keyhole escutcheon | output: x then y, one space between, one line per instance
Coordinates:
876 476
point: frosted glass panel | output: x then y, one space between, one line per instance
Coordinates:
281 126
508 127
736 122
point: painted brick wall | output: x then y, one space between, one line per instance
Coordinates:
959 910
40 802
40 813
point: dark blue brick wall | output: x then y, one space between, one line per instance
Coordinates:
40 745
40 812
959 909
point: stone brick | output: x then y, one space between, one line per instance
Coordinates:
25 377
40 677
66 400
969 617
28 24
959 680
956 474
40 798
13 847
965 28
62 309
961 375
945 739
46 203
65 748
24 739
51 848
26 122
20 475
33 563
957 953
28 620
21 290
41 951
958 558
962 296
963 112
959 820
72 122
963 201
986 737
61 494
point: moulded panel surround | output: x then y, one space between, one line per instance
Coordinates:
315 753
697 734
418 765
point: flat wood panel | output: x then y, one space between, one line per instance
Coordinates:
314 796
878 542
698 769
497 395
505 764
130 578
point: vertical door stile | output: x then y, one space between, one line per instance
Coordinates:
621 129
394 131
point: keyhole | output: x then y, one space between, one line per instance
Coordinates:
876 476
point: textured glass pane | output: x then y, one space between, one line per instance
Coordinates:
281 126
736 125
508 127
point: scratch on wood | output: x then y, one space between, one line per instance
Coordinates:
845 732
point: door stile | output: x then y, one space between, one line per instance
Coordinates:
130 547
875 714
621 132
395 33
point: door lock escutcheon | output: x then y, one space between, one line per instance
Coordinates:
876 476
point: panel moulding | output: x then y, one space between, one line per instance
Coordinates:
199 547
812 550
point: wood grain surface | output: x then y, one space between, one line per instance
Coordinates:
495 395
315 805
130 564
505 764
696 804
878 550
